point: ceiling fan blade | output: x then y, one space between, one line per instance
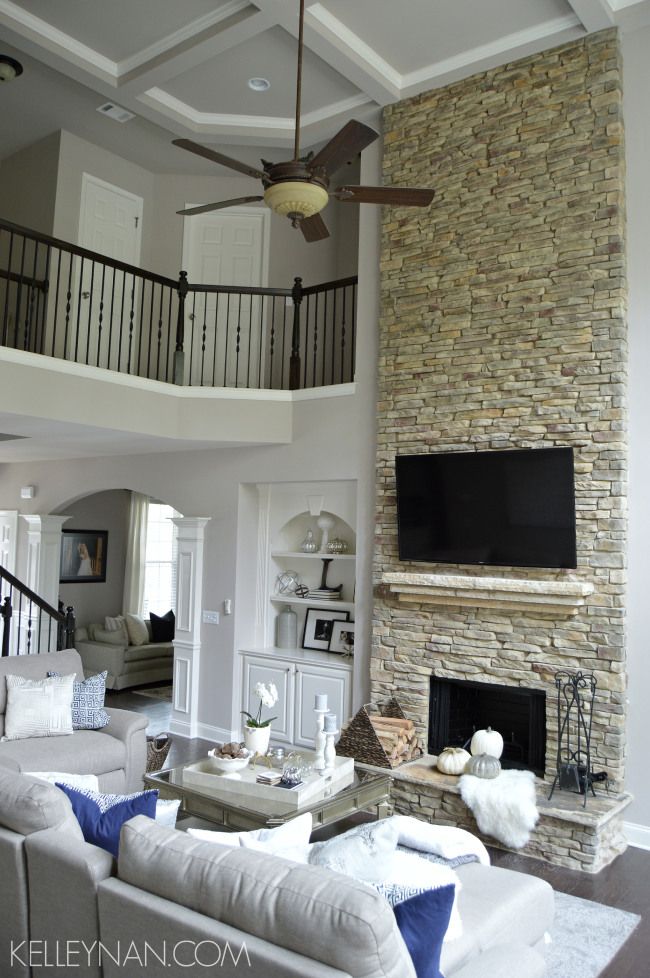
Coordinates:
348 142
404 196
211 154
204 208
314 228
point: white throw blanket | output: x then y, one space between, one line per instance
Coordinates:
504 807
441 840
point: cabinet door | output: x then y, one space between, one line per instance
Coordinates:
311 680
261 670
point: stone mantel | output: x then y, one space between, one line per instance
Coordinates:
553 597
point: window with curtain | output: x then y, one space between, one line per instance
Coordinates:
160 560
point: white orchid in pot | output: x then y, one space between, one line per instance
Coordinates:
257 732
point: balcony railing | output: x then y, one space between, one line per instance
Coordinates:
74 304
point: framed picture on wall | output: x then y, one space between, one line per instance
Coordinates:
318 627
83 556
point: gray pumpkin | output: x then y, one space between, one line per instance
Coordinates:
483 766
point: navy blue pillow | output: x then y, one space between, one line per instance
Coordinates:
162 626
423 922
101 817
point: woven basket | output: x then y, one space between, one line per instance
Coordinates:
157 751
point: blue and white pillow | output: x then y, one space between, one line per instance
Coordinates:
102 816
88 696
423 920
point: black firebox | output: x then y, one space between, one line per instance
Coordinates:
458 707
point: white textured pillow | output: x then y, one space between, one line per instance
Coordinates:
289 836
366 852
167 812
116 624
38 707
135 626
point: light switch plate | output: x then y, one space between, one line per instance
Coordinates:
210 617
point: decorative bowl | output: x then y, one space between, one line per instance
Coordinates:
228 765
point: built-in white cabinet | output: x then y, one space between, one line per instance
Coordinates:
283 516
258 669
298 679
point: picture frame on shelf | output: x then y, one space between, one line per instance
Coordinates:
342 638
318 627
83 556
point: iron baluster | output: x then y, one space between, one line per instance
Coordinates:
179 356
6 612
100 319
90 296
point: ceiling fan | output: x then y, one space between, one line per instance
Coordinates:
299 188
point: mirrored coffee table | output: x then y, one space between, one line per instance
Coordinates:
368 792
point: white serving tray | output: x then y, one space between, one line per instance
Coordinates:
246 791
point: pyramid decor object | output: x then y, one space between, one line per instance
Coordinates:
380 735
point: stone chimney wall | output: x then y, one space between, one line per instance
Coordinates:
503 326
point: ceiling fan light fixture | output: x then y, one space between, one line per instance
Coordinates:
9 68
296 199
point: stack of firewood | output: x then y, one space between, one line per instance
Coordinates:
397 736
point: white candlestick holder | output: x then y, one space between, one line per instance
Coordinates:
320 740
330 752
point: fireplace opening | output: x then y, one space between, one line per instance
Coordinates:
457 708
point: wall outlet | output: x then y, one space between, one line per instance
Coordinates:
210 617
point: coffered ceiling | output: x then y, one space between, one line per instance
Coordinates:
183 67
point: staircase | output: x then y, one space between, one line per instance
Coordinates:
29 624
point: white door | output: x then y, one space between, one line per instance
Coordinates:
260 670
105 331
225 337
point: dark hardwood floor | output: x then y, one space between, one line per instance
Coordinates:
625 884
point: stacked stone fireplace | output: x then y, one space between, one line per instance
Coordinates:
503 326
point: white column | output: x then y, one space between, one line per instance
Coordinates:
187 641
42 571
44 556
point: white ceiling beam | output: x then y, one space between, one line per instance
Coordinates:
338 47
595 15
153 67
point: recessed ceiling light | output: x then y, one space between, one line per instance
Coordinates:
259 84
9 68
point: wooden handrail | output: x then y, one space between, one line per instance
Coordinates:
41 284
33 597
121 266
339 283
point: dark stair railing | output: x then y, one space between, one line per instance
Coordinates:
63 301
29 624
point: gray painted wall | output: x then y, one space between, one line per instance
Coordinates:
93 600
28 185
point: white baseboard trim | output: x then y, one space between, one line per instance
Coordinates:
180 729
637 835
208 732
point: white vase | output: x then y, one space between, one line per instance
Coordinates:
257 739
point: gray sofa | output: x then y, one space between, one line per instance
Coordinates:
127 665
117 754
173 894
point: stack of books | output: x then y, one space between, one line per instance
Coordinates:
269 777
325 594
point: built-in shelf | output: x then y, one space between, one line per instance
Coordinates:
525 594
312 602
299 553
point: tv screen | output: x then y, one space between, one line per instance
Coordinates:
502 508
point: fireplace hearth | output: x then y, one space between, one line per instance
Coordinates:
457 708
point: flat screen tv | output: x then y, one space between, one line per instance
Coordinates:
501 508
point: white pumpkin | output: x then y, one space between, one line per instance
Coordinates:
487 742
452 760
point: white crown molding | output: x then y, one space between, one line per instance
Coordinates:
27 25
596 15
361 51
219 121
478 58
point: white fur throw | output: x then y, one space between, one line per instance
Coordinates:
504 807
